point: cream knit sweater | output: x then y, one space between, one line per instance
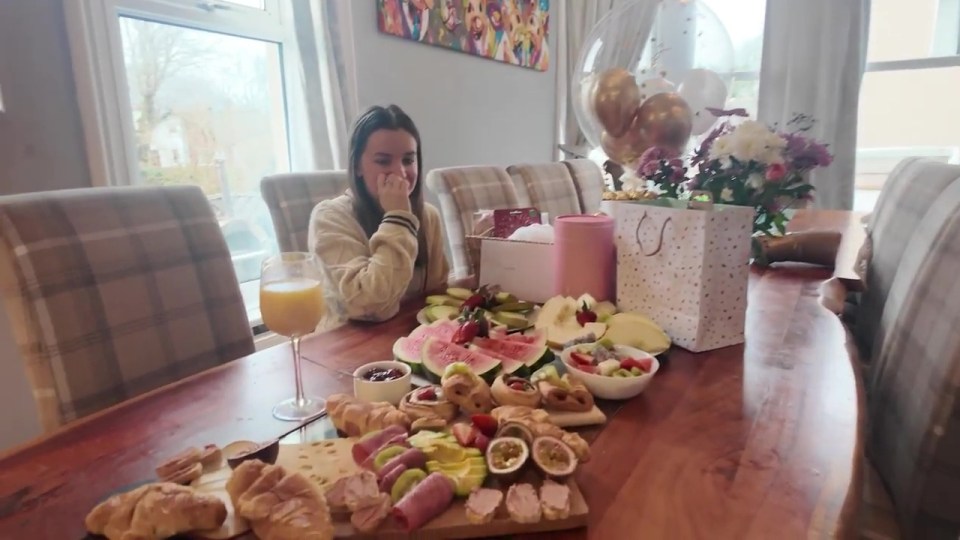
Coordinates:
371 276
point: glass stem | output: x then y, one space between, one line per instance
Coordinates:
297 371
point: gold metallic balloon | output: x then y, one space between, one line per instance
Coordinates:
666 121
615 100
624 150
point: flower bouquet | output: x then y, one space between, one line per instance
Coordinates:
744 164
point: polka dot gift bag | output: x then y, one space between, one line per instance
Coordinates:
685 264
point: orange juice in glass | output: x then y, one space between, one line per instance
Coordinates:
292 305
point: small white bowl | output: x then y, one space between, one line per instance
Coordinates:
389 391
613 387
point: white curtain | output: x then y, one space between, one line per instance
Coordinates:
324 30
575 20
814 54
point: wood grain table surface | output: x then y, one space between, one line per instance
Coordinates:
761 440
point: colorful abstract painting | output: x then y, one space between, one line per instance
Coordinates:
511 31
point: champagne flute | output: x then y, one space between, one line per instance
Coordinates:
292 305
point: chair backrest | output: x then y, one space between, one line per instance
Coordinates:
462 191
905 199
589 181
914 381
113 292
291 198
549 186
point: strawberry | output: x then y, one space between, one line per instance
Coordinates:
474 302
467 331
581 358
585 315
485 423
465 434
427 394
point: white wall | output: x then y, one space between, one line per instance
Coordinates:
469 110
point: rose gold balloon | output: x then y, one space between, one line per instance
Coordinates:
623 150
666 120
615 99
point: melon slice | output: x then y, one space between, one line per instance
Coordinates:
409 350
437 355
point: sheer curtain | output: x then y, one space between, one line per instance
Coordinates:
575 20
814 55
324 30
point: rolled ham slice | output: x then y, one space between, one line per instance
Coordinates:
373 441
425 501
388 477
396 440
414 458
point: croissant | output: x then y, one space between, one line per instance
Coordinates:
158 510
279 505
468 391
356 418
566 394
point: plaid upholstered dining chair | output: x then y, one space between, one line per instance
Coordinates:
291 198
905 200
113 292
913 385
549 187
588 179
462 192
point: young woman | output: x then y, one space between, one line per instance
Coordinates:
380 242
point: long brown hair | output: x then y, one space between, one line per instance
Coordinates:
365 206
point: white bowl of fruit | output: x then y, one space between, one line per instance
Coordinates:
611 371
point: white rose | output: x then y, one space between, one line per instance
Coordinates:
721 147
726 194
755 181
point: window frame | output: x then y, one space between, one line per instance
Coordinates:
93 28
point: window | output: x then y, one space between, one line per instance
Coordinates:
907 105
198 92
743 20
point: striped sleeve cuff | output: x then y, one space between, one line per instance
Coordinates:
403 219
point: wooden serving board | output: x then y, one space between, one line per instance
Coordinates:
325 461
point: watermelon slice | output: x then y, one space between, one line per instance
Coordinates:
410 349
437 355
533 354
508 365
535 337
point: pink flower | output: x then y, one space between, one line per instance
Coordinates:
776 171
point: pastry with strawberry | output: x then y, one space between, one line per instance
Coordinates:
510 390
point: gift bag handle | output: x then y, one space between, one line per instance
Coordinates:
663 228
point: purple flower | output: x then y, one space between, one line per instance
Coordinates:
803 153
653 154
676 163
650 168
678 175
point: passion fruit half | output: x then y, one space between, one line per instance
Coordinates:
506 457
516 429
553 457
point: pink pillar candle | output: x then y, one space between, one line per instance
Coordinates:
585 256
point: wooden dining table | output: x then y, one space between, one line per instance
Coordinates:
760 440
